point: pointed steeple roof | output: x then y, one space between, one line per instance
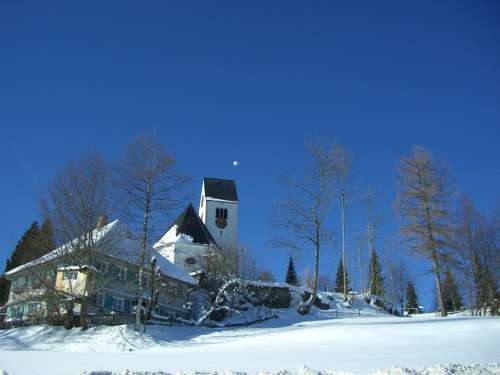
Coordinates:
190 223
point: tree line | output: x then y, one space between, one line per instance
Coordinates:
461 245
145 186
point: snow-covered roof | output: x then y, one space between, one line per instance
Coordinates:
98 236
168 268
113 240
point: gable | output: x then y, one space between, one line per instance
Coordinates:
190 224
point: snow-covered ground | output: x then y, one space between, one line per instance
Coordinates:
359 345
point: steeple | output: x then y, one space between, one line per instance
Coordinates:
219 211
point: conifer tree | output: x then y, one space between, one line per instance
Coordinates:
376 279
44 242
291 275
411 298
452 297
423 204
339 280
34 243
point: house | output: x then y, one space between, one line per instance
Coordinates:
107 277
195 240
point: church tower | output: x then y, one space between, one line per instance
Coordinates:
219 211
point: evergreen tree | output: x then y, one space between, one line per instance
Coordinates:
376 279
34 243
411 298
44 242
452 297
339 280
291 275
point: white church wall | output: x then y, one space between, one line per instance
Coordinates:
194 252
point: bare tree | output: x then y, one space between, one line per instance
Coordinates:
304 212
397 280
150 186
476 243
266 276
325 284
247 266
359 243
423 205
76 198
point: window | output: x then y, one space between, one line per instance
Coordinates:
32 308
117 304
122 274
190 261
70 275
102 267
36 282
16 312
18 285
221 217
100 299
221 213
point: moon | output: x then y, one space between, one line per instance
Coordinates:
236 163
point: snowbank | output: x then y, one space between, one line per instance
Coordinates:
449 369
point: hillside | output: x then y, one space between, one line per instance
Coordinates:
359 345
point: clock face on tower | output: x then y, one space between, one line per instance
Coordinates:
221 217
221 222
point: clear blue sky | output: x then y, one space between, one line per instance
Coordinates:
224 81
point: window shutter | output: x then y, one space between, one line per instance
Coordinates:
108 301
126 306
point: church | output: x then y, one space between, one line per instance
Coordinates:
194 238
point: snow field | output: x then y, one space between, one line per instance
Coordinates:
330 346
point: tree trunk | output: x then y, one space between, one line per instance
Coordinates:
316 269
151 300
342 207
68 317
83 314
439 288
144 242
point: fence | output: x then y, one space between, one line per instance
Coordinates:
354 313
110 319
24 322
182 322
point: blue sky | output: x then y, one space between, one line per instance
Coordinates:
224 81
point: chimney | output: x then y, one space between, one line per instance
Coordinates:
102 220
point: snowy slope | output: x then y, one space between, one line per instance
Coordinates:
358 345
